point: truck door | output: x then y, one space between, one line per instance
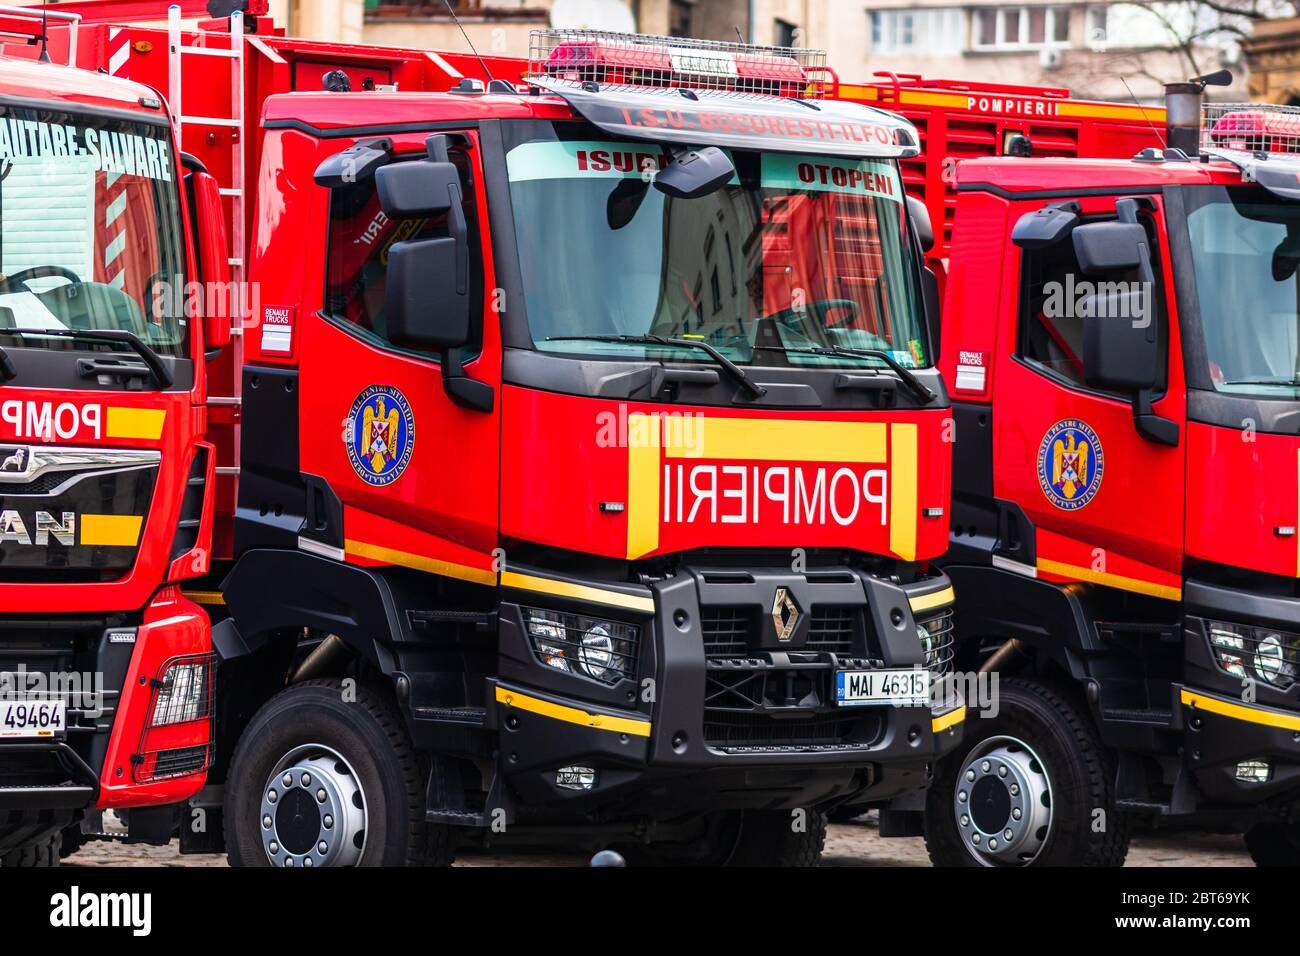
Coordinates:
416 473
1105 502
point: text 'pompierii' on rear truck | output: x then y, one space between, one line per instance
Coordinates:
104 472
574 497
1124 541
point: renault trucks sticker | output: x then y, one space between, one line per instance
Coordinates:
1070 464
380 436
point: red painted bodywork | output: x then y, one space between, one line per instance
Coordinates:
171 625
1219 496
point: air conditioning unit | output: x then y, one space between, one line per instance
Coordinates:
1050 58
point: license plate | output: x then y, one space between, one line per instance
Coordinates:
902 688
31 718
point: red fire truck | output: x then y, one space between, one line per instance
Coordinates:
622 540
105 667
1120 344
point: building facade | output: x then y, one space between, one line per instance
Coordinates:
1113 51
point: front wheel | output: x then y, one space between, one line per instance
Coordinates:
320 778
1031 786
1274 844
39 854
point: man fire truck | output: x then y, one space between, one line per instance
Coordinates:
1124 519
104 666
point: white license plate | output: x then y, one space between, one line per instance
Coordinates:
902 688
31 718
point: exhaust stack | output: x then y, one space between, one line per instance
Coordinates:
1183 110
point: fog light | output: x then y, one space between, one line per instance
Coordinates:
575 778
1254 771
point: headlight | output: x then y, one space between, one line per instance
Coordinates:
1262 653
576 644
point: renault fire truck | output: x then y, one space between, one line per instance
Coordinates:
105 667
1120 341
589 465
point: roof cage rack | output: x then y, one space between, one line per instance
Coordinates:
29 24
1257 128
644 62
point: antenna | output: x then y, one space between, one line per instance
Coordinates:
1139 105
739 36
469 43
45 32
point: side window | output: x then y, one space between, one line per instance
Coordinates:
360 236
1054 298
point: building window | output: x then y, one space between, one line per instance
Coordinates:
680 15
931 31
784 33
1020 28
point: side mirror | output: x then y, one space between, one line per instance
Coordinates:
427 303
213 254
1118 352
1109 247
921 225
1046 226
695 173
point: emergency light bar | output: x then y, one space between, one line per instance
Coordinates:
643 62
1251 128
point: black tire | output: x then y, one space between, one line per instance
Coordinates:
780 838
42 853
1079 769
72 841
370 736
1274 844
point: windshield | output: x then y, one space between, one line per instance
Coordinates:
1245 246
89 227
797 252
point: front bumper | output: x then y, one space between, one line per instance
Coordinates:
723 714
102 668
1228 722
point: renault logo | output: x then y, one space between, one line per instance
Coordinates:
785 615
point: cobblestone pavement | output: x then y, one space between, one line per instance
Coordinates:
851 844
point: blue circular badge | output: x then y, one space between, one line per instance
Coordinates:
381 436
1070 464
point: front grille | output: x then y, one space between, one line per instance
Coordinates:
938 643
727 630
832 629
733 630
724 731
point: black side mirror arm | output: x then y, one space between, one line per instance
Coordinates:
1150 426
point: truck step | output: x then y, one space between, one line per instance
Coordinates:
456 818
1155 718
479 620
466 716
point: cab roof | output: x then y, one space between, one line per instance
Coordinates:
1055 175
26 79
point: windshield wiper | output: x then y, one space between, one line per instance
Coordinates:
152 359
731 368
7 370
1280 382
914 384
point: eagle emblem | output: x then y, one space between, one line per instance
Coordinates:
1070 464
380 436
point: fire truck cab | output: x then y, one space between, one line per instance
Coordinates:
591 465
105 666
1120 340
